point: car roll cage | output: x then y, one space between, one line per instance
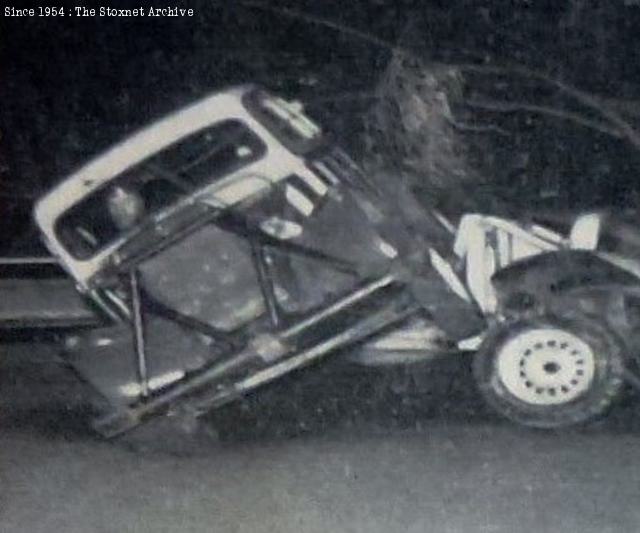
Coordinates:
245 366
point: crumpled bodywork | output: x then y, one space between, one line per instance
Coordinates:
262 248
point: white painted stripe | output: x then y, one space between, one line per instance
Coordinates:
238 190
504 248
306 126
387 249
444 269
445 222
298 200
518 232
104 341
272 105
409 339
546 233
585 232
293 117
134 389
281 228
327 172
471 343
315 183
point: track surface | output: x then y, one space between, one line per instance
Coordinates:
370 466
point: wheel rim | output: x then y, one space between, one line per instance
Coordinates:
546 366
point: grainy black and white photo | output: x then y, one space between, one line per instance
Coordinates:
320 266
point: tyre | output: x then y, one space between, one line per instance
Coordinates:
550 372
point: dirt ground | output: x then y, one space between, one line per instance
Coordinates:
434 471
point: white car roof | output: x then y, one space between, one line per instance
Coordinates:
136 148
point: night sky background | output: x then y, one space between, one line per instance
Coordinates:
70 87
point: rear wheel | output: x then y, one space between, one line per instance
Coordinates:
550 372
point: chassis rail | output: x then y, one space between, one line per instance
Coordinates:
212 387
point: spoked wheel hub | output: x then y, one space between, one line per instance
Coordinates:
546 366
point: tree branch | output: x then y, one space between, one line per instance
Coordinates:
626 130
477 128
509 107
622 126
320 21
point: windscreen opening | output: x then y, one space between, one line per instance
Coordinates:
160 181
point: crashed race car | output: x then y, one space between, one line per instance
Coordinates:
232 242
